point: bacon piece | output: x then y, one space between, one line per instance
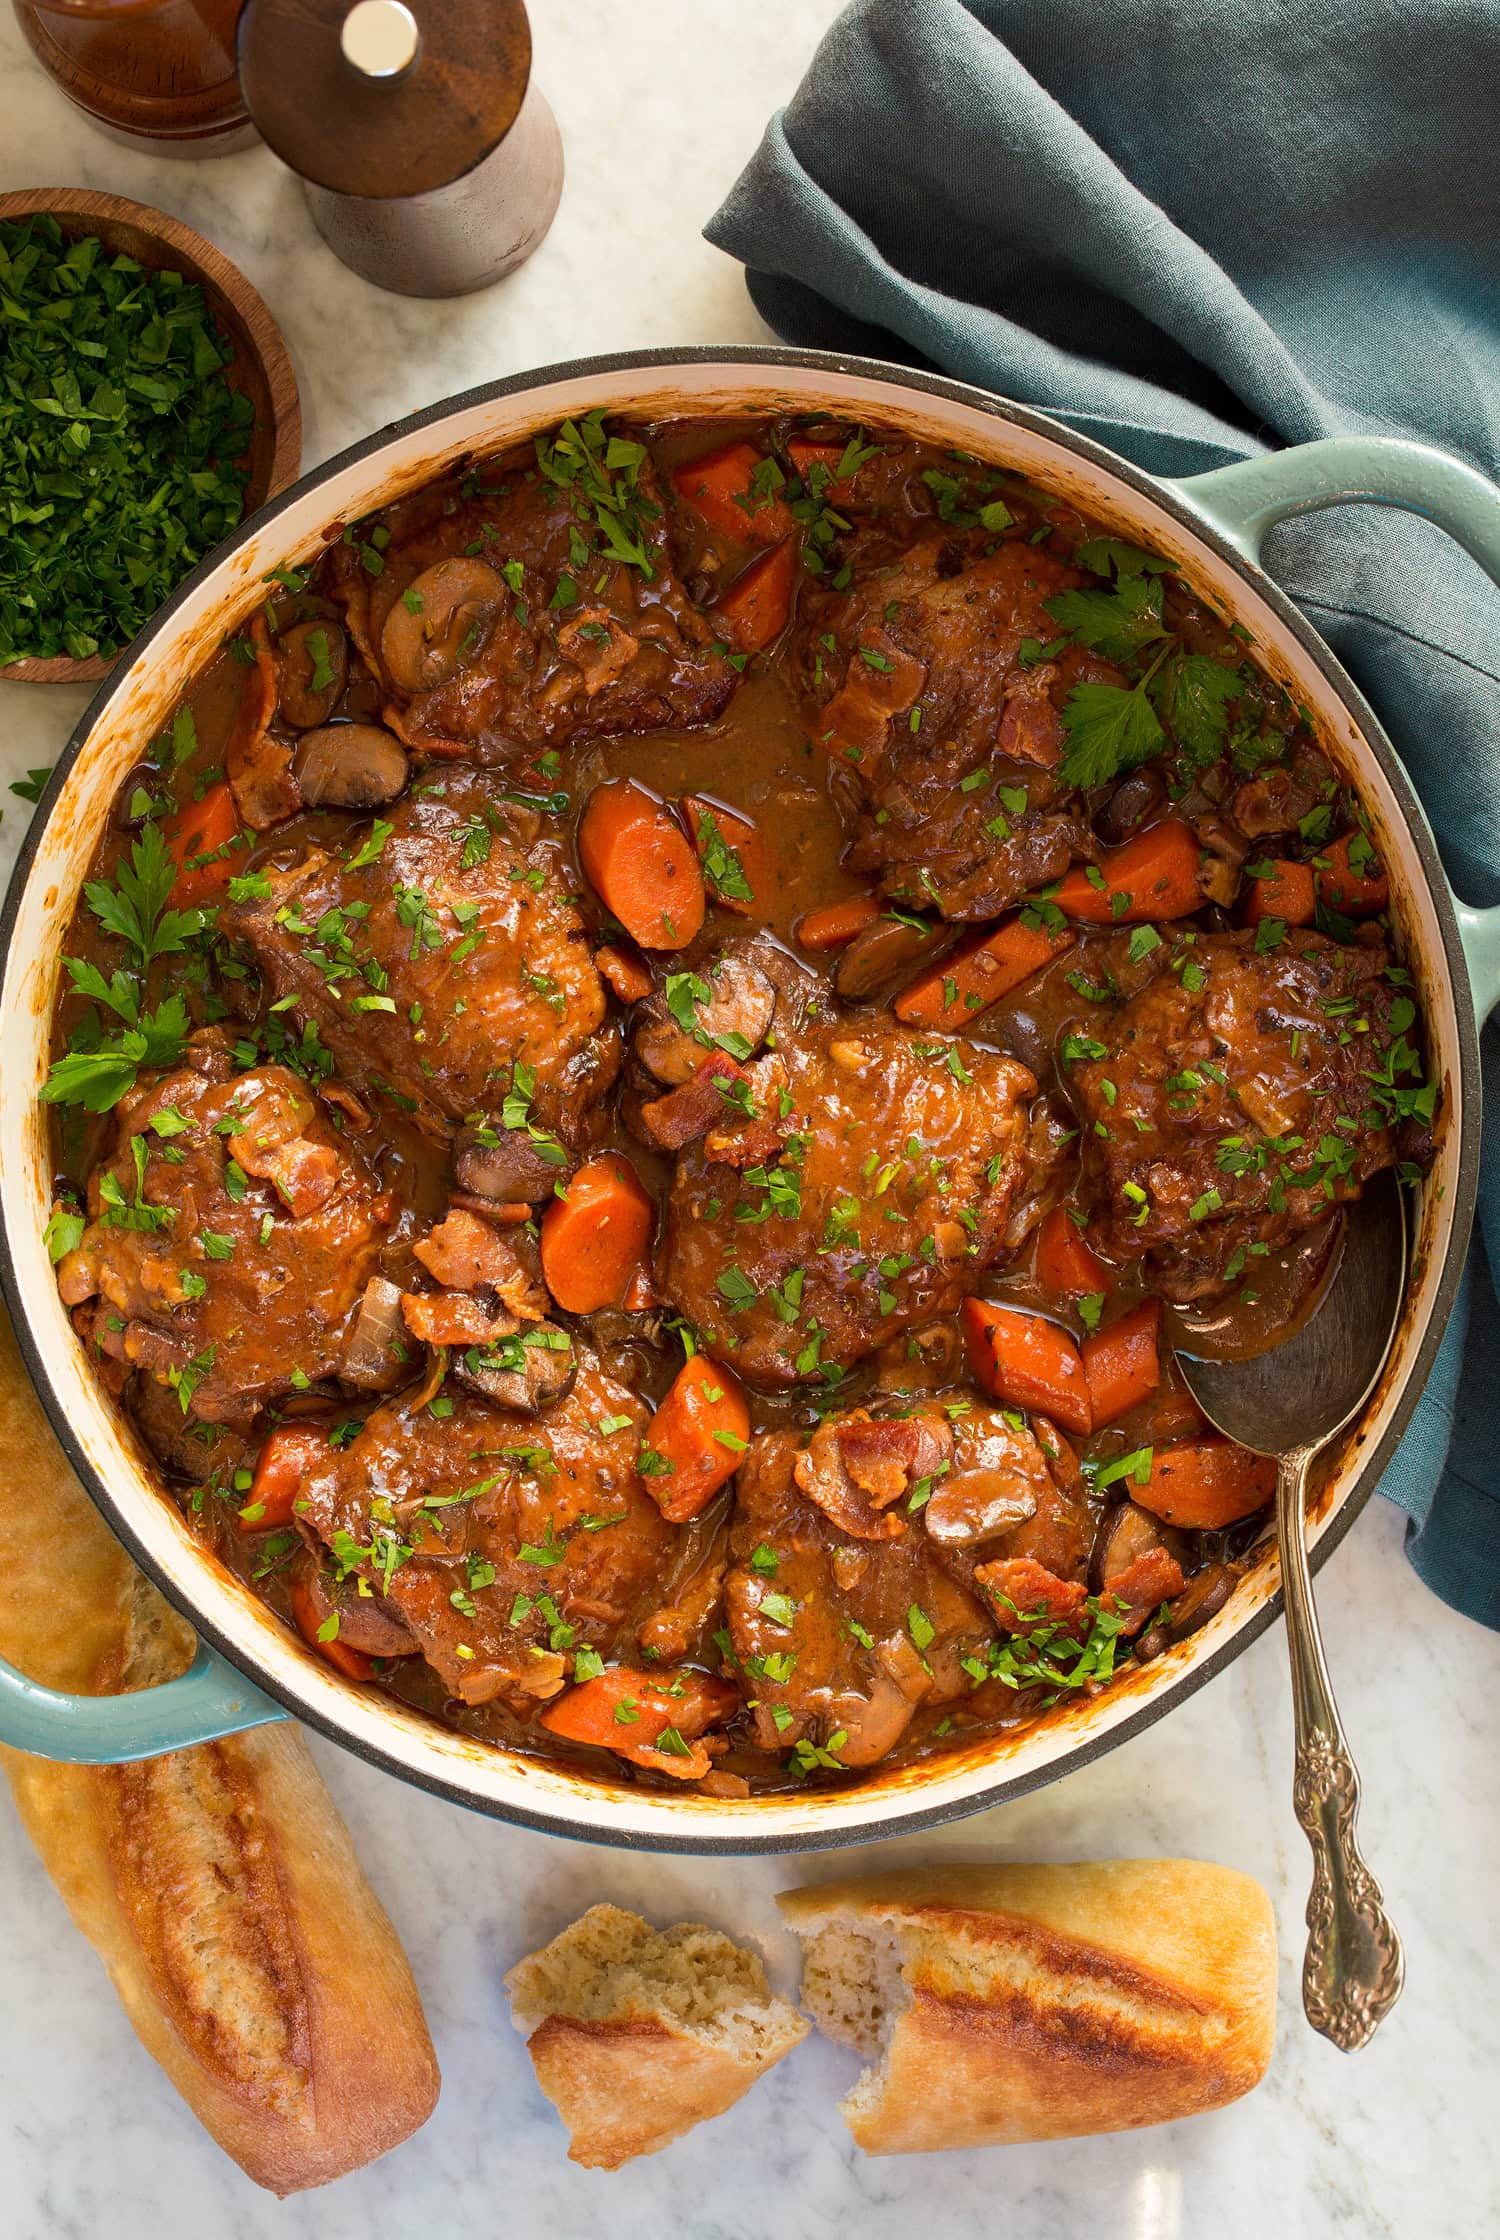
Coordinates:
1030 726
1134 1593
686 1113
599 646
1022 1591
465 1252
454 1318
857 1468
258 767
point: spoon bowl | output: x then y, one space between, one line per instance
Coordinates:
1303 1392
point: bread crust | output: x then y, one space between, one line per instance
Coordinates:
218 1885
630 2086
626 2072
1050 2001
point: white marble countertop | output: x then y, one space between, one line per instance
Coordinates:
659 104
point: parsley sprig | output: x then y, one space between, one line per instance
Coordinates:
1112 728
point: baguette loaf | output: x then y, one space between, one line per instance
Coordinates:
637 2035
1030 2002
218 1885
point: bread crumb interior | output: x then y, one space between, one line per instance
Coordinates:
852 1984
611 1966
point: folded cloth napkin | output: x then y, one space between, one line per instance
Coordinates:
1197 230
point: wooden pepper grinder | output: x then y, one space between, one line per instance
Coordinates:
432 164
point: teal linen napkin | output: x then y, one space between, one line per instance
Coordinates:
1198 230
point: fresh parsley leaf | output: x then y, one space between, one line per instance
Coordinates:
134 909
1117 623
1193 696
1110 729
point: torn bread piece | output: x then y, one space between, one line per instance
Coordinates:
638 2034
1007 2003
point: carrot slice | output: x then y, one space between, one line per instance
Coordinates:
836 923
1155 875
1027 1362
721 486
1287 891
1350 877
698 1433
593 1240
629 1712
1173 1414
283 1462
1122 1363
629 978
641 1294
736 861
805 456
952 992
197 829
641 864
1205 1484
1066 1265
758 604
353 1663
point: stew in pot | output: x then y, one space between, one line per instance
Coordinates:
655 1062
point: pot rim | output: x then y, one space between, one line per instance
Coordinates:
991 1786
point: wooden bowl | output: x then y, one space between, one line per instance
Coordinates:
261 367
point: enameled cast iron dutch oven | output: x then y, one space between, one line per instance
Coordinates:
250 1669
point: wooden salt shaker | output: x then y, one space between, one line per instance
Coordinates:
155 74
431 162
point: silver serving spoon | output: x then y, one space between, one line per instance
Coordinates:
1290 1402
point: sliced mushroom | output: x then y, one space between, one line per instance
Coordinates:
350 766
1000 1480
1202 1598
506 1165
738 1009
1133 800
314 662
978 1506
366 1622
872 1724
526 1371
1218 880
883 955
439 622
376 1355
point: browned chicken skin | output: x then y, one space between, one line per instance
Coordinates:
499 1540
937 630
1237 1095
877 1197
233 1231
565 641
459 957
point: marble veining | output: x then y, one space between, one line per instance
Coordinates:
659 104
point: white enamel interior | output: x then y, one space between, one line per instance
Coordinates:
532 1789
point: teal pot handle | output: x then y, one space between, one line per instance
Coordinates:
1243 501
208 1700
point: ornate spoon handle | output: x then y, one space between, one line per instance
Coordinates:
1353 1972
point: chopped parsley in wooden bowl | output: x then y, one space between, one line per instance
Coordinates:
147 403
